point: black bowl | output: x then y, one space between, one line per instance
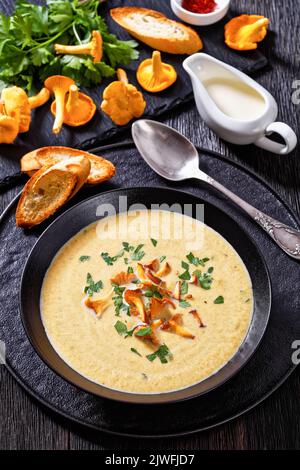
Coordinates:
83 214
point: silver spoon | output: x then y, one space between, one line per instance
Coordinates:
175 158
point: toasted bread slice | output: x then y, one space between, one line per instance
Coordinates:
43 194
79 166
101 169
157 31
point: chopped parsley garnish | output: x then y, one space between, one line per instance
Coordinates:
195 260
122 329
184 288
162 353
144 331
152 292
153 241
110 260
138 254
185 276
210 270
185 265
126 260
84 258
118 300
219 300
184 304
135 351
92 286
130 270
127 247
204 280
162 258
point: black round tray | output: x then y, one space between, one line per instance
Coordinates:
268 368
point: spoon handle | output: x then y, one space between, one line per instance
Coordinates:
286 237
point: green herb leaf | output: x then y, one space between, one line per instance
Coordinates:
130 270
184 288
92 286
162 258
135 351
195 260
219 300
154 242
185 276
185 265
184 304
122 329
110 260
144 331
138 254
162 353
204 280
83 258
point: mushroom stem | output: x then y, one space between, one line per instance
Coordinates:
41 98
81 49
122 76
156 63
92 48
72 98
60 108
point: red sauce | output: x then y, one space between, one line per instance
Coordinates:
199 6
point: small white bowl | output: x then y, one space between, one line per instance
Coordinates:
203 19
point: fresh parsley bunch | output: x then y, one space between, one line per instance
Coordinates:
27 55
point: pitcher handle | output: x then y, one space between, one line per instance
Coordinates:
286 133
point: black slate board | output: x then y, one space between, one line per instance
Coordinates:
101 127
266 370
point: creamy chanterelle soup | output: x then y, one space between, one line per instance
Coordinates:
147 303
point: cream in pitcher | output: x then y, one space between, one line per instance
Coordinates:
235 106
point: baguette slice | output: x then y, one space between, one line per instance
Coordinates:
101 169
157 31
79 166
43 194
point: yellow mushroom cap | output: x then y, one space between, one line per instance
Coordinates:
58 82
96 46
122 101
81 108
154 75
9 128
245 31
17 106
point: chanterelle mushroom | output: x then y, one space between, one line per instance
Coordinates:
245 31
17 106
79 108
9 128
122 101
41 98
154 75
59 85
93 48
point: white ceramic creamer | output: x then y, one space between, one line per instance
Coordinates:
235 106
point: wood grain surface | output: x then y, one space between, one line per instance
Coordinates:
274 424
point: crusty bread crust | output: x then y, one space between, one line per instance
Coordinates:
39 200
101 169
187 42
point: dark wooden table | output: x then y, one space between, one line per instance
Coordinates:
274 424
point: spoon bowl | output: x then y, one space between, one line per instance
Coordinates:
166 151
